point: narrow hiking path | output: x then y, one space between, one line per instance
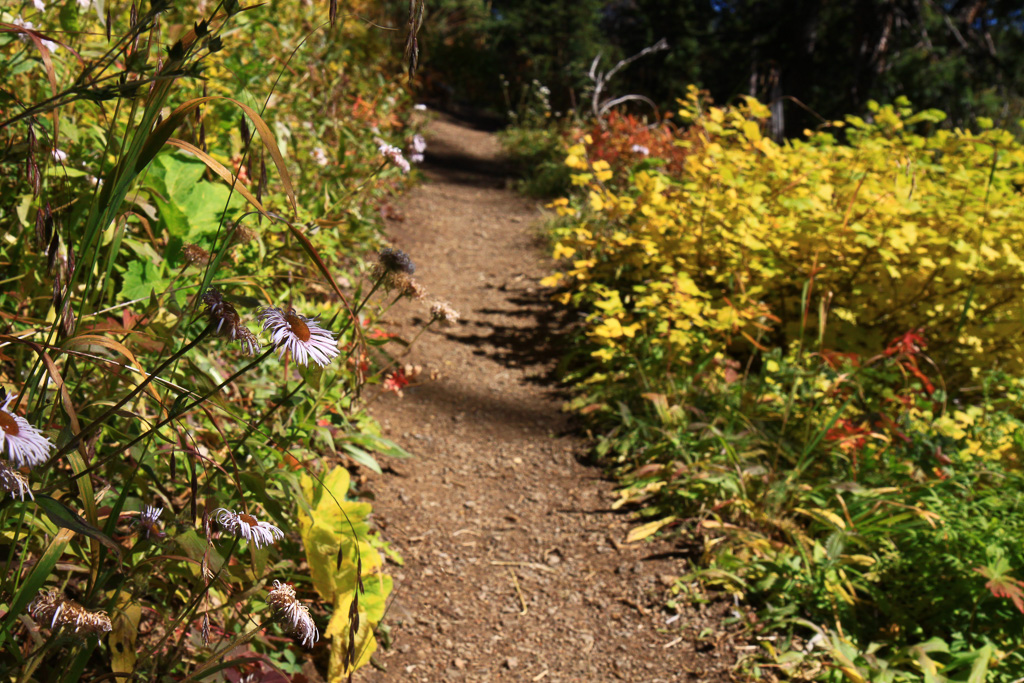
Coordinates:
515 569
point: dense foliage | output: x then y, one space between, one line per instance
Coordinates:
806 355
171 508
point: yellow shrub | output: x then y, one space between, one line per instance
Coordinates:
891 231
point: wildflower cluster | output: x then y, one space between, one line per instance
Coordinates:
394 154
419 146
290 332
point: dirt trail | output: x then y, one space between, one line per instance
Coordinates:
515 569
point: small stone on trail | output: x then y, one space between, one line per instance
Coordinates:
459 663
511 663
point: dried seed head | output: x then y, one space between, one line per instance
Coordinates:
243 234
51 606
195 255
292 613
396 260
443 311
413 289
14 482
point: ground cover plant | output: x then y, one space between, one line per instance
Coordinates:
806 356
191 198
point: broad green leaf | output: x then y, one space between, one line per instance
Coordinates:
66 518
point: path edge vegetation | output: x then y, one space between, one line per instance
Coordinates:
175 500
786 354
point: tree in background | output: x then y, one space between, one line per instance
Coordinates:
811 59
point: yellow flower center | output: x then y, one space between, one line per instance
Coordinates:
299 328
8 424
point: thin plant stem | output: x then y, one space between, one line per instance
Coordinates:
98 422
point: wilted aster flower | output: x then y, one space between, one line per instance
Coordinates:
412 288
26 445
301 335
248 527
148 520
393 153
294 614
243 234
51 606
228 323
320 156
14 482
195 255
443 311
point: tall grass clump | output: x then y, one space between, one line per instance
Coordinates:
188 307
804 357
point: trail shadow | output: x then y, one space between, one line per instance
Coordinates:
484 409
536 340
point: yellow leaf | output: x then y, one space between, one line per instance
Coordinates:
751 131
338 631
644 530
824 516
124 632
562 251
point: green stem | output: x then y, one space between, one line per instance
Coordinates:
98 422
177 414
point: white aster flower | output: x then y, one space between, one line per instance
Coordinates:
419 145
39 5
640 149
320 156
59 155
416 158
148 519
18 21
292 613
14 482
26 445
301 335
420 107
247 527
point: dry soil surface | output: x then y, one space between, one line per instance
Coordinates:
515 567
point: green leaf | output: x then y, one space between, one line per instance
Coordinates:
378 444
141 279
66 518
